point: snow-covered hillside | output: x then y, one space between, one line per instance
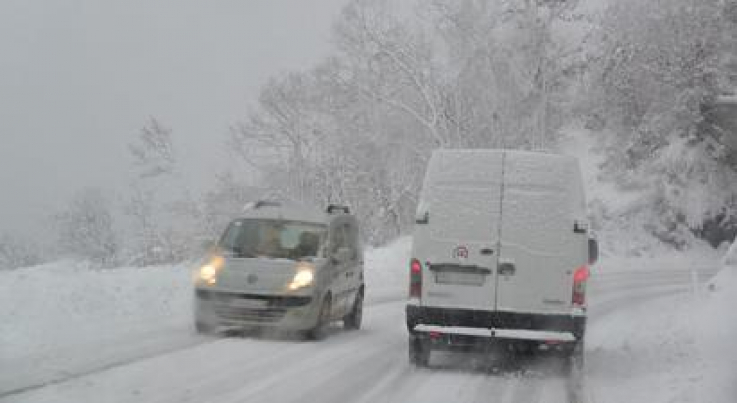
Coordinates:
619 215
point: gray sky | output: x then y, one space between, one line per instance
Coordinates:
79 78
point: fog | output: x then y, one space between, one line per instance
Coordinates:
80 78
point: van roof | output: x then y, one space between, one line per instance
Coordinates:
489 151
448 165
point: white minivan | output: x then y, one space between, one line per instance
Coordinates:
283 267
500 254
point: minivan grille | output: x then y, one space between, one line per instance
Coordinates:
239 314
240 307
285 301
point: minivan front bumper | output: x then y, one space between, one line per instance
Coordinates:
233 309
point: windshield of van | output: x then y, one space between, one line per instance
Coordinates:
273 238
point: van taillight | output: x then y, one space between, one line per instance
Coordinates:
580 276
415 278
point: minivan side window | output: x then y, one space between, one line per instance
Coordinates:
337 239
351 237
343 235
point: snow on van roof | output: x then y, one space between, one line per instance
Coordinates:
533 173
498 151
485 165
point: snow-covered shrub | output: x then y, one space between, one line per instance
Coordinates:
85 229
16 252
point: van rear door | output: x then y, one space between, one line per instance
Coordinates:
458 245
542 202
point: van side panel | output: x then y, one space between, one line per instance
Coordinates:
462 193
542 199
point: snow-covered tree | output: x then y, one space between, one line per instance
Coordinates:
510 67
153 152
359 127
17 252
224 202
658 65
85 229
164 214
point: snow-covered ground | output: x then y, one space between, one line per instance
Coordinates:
679 348
124 335
62 319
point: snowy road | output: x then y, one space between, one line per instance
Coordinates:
369 365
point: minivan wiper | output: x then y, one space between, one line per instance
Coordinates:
241 253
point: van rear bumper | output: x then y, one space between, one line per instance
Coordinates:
510 325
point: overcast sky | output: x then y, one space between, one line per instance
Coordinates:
78 79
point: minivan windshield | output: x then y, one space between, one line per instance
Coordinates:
273 238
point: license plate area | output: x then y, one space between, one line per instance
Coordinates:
248 303
460 275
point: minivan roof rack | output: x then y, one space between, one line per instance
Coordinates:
332 208
261 203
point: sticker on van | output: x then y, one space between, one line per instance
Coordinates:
460 252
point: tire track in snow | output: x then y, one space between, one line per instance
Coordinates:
306 368
371 369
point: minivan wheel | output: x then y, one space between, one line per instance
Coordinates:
320 330
203 328
352 321
419 352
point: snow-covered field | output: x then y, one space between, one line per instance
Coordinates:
71 334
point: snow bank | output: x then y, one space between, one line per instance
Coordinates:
672 349
715 327
38 304
698 258
61 313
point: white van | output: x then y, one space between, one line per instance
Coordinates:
500 253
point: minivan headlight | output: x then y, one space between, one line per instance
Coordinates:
209 272
303 278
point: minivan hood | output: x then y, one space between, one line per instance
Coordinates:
257 275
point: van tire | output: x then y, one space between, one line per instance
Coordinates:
575 358
352 321
323 321
419 352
